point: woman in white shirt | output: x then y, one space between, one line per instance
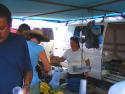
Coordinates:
77 67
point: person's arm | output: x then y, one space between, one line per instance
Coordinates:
27 71
87 62
56 59
61 59
88 68
27 81
45 61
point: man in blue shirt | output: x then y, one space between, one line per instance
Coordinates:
15 65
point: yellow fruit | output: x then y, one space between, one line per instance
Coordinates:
45 85
59 92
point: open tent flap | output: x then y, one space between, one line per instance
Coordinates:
114 52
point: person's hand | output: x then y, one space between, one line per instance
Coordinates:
54 59
86 74
26 90
87 62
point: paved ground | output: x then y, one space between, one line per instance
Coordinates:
91 90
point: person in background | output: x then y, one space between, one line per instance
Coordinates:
23 29
77 68
15 64
37 53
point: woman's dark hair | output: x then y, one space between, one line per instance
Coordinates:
23 27
23 30
76 40
5 12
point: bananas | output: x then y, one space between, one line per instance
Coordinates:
59 92
46 89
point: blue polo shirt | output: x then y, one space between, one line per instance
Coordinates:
14 61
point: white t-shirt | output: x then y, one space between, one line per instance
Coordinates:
75 66
118 88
